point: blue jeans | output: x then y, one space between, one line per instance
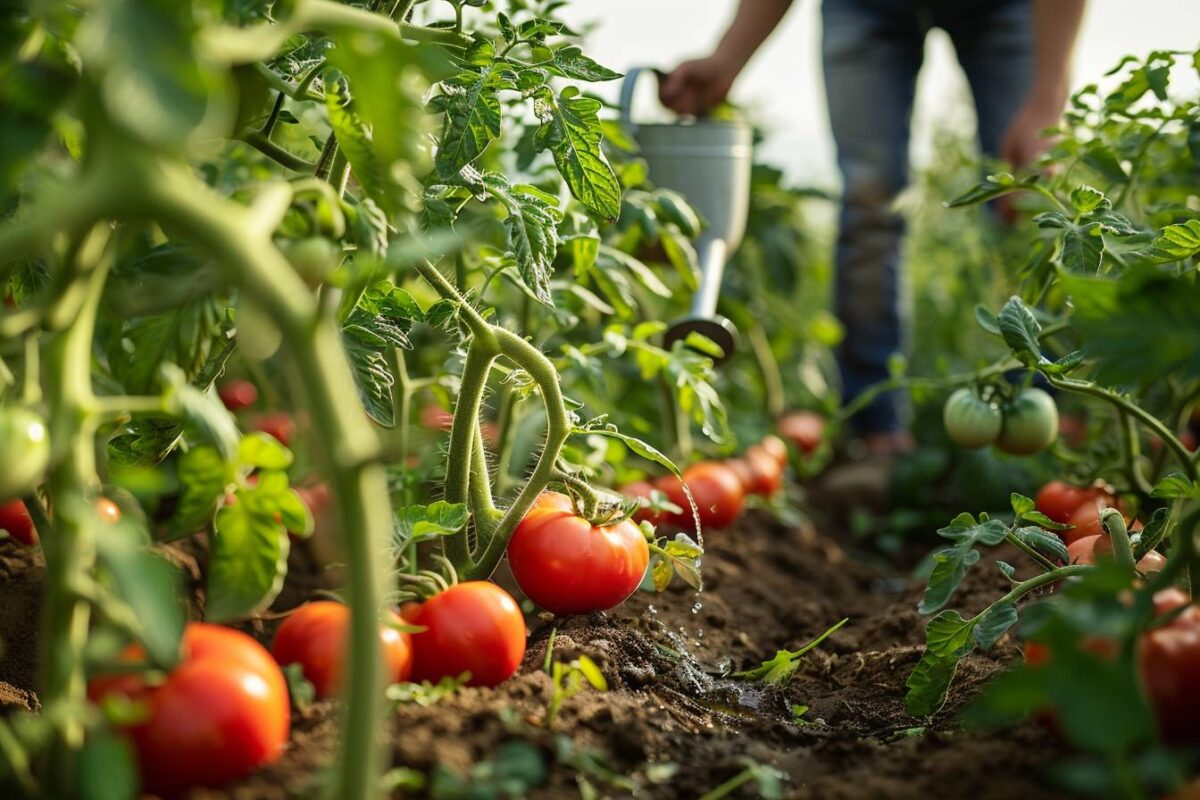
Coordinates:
872 50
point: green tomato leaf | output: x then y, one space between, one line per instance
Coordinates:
1020 330
1021 504
472 120
570 62
948 637
107 768
636 445
571 131
416 523
248 560
148 584
1176 487
993 623
263 451
993 186
203 475
1045 541
373 378
1137 329
951 564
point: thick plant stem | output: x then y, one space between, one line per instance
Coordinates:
463 434
1170 441
558 429
1114 525
70 548
242 245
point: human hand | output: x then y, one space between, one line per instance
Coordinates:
696 86
1023 142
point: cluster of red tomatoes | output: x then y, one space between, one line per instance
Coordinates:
1168 655
15 519
1080 507
719 488
223 711
1168 659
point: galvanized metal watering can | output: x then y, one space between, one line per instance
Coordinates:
708 162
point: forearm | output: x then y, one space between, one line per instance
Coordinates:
1055 26
753 23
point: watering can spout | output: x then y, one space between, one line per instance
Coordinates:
708 162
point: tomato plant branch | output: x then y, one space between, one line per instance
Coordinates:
1130 450
864 398
558 428
71 551
1137 412
234 45
260 142
347 439
1114 525
1028 550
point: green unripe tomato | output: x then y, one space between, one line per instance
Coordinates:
315 258
1030 423
24 451
970 421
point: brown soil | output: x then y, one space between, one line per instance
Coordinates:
671 722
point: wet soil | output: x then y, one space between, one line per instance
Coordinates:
672 723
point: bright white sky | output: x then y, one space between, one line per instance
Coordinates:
782 85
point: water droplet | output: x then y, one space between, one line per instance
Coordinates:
696 608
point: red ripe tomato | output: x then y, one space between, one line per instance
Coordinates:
643 490
766 473
1058 500
776 448
220 714
1091 548
237 395
315 638
1169 658
14 518
473 627
1086 519
718 493
436 418
803 429
567 565
278 424
741 469
556 501
108 511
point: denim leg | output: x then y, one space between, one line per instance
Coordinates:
994 43
872 52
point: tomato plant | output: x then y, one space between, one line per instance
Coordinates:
473 627
567 564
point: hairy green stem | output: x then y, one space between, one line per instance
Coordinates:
1114 525
1025 548
70 549
558 429
260 142
1170 441
463 433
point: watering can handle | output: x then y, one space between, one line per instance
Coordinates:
627 87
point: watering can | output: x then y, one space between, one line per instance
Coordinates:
708 162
